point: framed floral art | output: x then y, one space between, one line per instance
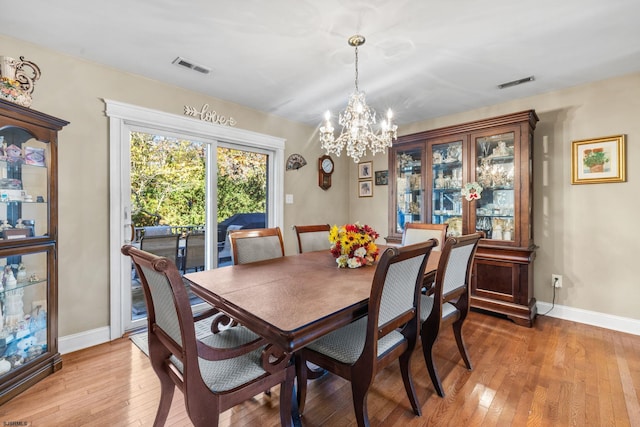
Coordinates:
598 160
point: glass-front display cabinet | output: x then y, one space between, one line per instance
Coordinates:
495 173
408 188
28 245
491 158
445 181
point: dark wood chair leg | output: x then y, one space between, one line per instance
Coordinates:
359 393
167 387
405 369
462 348
428 340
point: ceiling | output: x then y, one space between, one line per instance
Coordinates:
422 58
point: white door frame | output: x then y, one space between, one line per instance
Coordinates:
122 118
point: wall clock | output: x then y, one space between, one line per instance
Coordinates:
325 169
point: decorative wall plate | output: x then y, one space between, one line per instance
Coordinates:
295 161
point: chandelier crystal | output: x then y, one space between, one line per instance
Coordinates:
357 122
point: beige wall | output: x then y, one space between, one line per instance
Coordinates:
584 232
74 89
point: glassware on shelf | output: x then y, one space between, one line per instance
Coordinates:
409 188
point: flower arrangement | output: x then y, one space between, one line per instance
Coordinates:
353 245
12 91
471 191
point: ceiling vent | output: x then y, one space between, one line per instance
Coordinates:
515 82
189 64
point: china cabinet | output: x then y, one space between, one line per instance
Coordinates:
432 174
28 246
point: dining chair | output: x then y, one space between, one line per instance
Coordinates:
256 244
162 245
214 373
193 252
415 232
448 302
389 331
312 237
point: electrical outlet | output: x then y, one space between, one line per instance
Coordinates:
556 280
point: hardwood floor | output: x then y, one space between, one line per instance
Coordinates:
557 373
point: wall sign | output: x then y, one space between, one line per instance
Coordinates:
209 116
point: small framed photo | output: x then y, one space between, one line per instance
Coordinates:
34 156
598 160
364 170
382 177
365 188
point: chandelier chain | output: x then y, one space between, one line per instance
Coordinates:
357 90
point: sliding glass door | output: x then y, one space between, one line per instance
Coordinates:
169 205
178 188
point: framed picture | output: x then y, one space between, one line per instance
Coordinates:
34 156
382 177
364 170
599 160
365 188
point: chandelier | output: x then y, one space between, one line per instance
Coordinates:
357 121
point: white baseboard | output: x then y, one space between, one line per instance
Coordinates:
86 339
79 341
608 321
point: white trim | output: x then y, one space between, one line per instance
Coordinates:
602 320
122 117
133 114
83 340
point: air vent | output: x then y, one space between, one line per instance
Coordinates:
515 82
189 64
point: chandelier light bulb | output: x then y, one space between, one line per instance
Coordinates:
357 121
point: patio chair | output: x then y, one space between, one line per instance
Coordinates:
193 252
162 245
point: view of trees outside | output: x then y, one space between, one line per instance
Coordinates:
168 181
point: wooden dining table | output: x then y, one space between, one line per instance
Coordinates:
291 300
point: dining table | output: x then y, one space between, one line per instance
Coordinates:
291 300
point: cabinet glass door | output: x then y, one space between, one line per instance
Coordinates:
24 183
447 176
494 211
409 188
24 285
